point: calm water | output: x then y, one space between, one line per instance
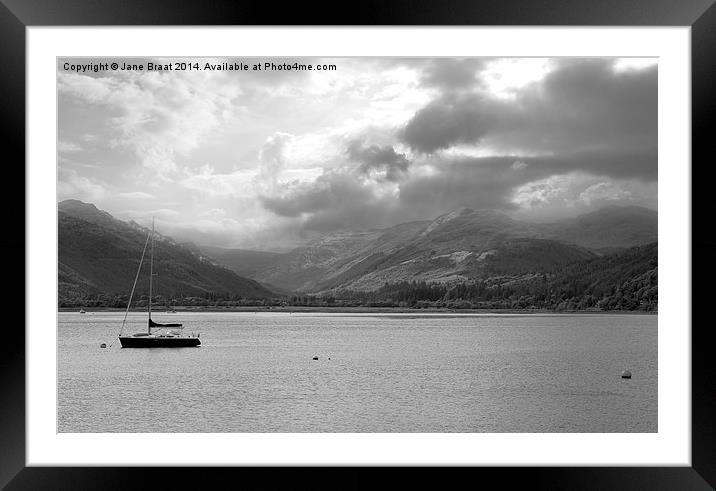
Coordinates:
386 373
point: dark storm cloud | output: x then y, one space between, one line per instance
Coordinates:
444 121
382 159
340 198
357 216
450 120
329 191
475 183
488 182
336 200
581 106
582 121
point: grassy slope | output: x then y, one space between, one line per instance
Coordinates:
94 258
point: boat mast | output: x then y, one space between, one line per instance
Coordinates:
151 274
136 277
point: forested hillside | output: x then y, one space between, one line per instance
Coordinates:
624 281
99 257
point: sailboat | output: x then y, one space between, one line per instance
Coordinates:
157 335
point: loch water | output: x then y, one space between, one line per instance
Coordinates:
403 372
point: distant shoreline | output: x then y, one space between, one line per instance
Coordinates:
361 310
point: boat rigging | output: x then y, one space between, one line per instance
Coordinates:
167 337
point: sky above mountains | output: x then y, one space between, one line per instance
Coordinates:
259 159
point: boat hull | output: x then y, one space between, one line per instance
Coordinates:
158 342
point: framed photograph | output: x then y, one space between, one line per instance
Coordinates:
435 236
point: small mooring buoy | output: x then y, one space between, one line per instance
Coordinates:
102 345
315 357
626 374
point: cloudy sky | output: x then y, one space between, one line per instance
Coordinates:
267 160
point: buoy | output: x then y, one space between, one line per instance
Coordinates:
626 374
315 357
102 345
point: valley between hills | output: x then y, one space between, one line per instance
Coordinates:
467 259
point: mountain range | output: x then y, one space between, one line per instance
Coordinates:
458 246
593 256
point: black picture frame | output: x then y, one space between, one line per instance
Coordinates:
17 15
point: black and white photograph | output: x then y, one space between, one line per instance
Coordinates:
357 245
